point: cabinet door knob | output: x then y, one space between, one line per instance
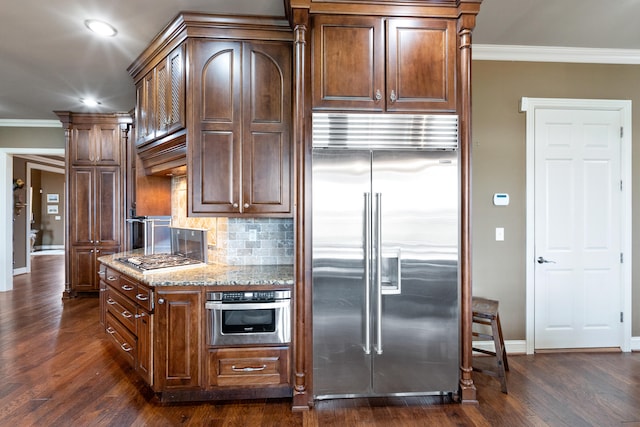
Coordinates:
378 95
393 96
160 300
235 205
246 205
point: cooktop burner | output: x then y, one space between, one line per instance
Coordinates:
156 262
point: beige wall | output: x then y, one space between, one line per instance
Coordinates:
23 137
20 220
51 226
499 166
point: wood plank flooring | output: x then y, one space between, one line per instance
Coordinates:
57 369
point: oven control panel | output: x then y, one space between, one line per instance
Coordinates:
248 296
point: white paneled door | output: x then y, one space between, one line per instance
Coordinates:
578 223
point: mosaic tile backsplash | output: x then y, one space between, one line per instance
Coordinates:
237 241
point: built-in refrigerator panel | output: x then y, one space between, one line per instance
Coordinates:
416 339
341 363
385 268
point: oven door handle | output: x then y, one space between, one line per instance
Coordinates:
218 305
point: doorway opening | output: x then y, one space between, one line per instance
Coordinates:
6 208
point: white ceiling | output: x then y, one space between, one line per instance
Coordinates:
48 60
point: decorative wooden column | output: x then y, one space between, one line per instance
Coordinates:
302 363
466 23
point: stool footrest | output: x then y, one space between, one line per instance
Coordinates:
485 312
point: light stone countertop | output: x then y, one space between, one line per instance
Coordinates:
208 275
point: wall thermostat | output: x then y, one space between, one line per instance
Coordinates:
501 199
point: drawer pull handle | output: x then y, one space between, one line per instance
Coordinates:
142 297
126 314
110 301
110 330
127 288
126 347
137 316
248 368
111 278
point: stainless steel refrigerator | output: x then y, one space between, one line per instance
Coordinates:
385 255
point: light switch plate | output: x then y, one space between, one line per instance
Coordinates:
499 234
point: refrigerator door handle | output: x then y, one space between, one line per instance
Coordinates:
367 273
378 258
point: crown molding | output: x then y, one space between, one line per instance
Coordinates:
487 52
24 123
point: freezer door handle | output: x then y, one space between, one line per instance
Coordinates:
378 258
367 273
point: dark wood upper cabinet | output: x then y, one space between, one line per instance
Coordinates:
95 144
239 158
383 64
160 99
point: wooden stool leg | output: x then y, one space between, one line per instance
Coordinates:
504 350
500 351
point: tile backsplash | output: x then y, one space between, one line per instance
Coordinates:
236 241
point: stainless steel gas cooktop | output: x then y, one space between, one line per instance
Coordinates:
188 249
160 262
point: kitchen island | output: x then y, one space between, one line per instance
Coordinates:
207 275
159 324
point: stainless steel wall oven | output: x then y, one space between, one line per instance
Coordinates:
248 317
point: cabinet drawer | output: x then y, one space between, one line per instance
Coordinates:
144 297
124 340
252 366
121 308
111 277
127 288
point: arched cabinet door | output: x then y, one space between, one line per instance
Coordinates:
240 146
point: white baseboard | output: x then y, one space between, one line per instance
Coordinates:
49 247
520 346
21 270
513 346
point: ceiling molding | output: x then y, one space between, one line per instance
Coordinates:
23 123
43 160
487 52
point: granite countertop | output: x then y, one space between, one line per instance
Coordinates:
208 275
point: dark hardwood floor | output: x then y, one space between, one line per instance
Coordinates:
57 369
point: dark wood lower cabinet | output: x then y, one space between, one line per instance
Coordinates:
160 332
84 262
248 366
178 320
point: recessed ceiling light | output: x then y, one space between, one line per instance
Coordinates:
100 27
90 102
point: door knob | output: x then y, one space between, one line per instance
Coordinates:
541 260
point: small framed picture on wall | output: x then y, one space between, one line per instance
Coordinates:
53 198
52 209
